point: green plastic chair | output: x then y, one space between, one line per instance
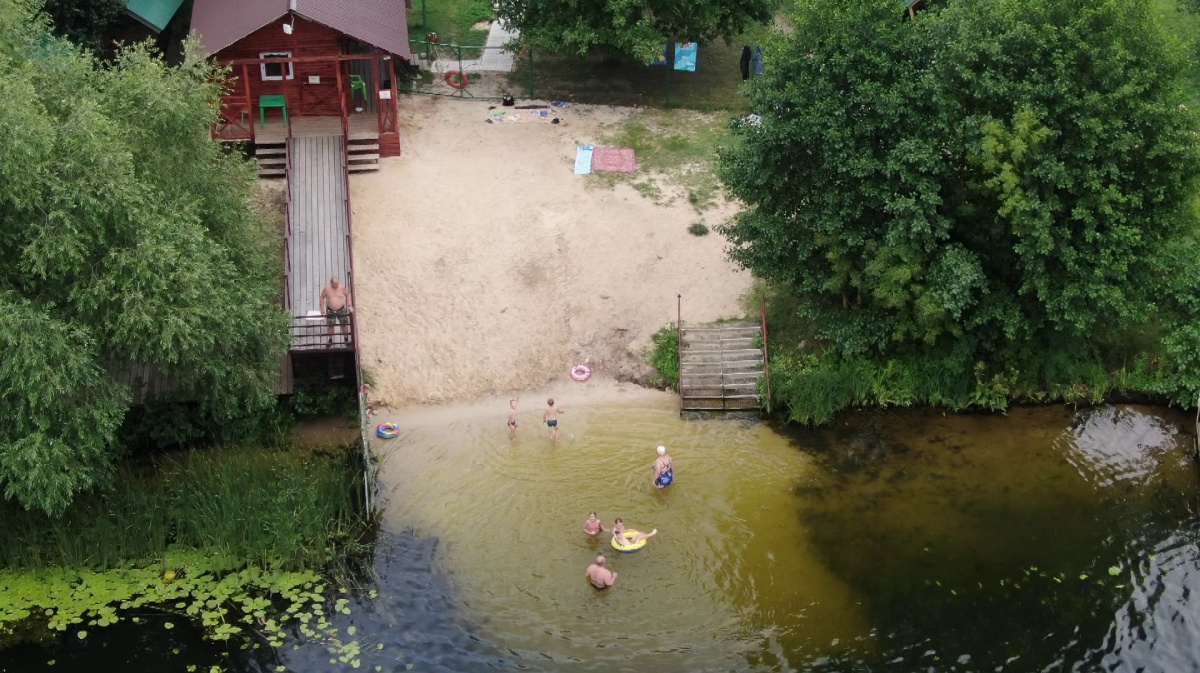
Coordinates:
357 83
271 100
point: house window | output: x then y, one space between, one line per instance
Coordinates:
276 71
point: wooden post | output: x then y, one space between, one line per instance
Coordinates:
249 101
377 68
342 100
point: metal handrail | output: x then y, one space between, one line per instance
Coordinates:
766 351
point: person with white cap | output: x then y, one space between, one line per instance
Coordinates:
664 469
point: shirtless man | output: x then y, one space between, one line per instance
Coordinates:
599 576
337 306
550 416
664 469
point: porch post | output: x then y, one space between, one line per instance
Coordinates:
249 102
342 100
378 68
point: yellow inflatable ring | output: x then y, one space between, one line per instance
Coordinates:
628 548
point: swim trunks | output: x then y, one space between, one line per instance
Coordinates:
512 424
334 316
664 479
553 423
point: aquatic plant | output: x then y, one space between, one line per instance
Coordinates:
217 591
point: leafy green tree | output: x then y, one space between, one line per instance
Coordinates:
991 178
637 28
126 236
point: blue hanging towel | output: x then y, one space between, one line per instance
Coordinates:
757 59
583 160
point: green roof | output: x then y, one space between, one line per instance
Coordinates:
154 13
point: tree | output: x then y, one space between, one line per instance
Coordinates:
126 236
989 178
84 22
637 28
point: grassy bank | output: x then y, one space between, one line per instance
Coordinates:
270 508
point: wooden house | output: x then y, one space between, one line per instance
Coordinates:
307 67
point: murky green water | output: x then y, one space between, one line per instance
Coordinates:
1046 540
904 540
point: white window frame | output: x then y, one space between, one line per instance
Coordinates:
287 67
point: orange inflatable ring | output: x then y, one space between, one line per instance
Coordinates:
457 79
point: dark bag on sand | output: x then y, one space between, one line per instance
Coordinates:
507 100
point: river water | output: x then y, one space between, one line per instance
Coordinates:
1047 539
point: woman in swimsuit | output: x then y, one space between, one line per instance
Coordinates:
593 526
664 469
618 532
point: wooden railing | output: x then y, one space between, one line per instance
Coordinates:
236 121
766 352
310 333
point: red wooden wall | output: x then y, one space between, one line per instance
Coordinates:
307 39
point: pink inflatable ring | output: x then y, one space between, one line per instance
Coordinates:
581 373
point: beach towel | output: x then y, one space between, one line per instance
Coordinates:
583 160
614 160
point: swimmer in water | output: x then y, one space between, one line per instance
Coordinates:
664 469
618 532
599 576
593 526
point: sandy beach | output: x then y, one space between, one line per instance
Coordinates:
486 266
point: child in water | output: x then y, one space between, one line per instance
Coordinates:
593 526
512 418
550 415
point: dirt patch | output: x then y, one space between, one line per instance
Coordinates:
484 265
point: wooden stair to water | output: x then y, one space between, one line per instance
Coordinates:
720 365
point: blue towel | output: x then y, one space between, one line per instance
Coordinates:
583 160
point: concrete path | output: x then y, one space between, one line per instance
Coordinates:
495 59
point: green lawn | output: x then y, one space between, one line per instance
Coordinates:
607 80
450 19
1181 19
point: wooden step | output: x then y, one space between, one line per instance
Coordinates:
362 146
362 168
362 157
272 172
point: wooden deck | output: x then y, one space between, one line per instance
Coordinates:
318 240
363 126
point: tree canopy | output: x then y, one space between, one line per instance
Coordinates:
637 28
126 237
84 22
990 177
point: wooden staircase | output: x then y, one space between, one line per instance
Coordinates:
272 159
720 365
362 154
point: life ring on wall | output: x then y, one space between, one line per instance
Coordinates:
457 79
581 373
628 548
387 430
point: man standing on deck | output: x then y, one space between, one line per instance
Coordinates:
599 576
337 306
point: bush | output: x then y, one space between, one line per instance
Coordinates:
698 229
275 509
664 357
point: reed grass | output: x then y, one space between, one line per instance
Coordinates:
278 509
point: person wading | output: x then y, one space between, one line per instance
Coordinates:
599 576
